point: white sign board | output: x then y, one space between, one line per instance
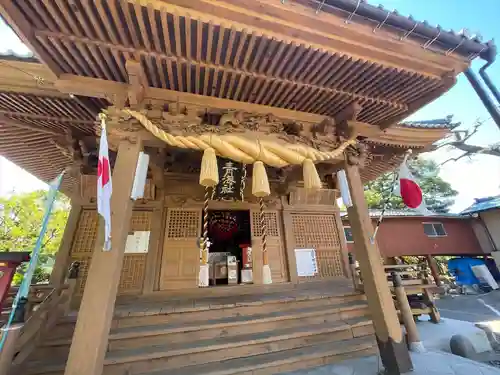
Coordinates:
138 242
307 264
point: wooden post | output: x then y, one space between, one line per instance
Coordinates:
343 244
72 281
434 269
155 248
90 339
61 263
406 314
9 348
353 271
393 351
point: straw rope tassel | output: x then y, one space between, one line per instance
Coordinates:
266 270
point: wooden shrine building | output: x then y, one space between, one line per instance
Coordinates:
282 95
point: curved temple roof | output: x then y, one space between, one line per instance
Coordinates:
460 42
278 57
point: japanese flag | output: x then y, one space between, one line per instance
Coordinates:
409 190
104 188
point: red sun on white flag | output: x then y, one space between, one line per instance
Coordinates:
104 188
410 191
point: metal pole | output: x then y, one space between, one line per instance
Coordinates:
483 95
489 82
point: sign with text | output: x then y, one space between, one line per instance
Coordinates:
232 178
307 264
137 242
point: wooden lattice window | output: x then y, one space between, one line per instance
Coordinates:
86 233
320 232
183 223
132 274
141 221
271 219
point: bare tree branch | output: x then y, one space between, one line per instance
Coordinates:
457 140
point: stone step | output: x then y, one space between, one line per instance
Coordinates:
173 355
281 361
178 331
189 313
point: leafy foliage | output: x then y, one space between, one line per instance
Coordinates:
21 218
438 194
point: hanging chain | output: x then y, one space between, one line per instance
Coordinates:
263 226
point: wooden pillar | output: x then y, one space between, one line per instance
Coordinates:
392 347
434 269
90 339
406 314
62 258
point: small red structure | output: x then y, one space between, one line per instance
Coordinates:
407 233
9 261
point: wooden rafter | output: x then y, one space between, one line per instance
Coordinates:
182 49
225 70
46 118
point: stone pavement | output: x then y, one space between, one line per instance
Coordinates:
429 363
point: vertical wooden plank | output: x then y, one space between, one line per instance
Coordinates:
90 339
154 251
62 258
290 246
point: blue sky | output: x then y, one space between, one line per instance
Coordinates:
475 178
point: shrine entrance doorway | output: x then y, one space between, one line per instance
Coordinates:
230 237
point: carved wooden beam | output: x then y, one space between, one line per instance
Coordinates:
138 82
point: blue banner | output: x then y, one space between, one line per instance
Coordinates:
28 276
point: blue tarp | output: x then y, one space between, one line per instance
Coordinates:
483 204
461 269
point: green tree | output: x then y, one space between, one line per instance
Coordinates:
21 218
438 194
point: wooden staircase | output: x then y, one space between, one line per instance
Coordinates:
267 333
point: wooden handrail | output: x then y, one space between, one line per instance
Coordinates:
55 305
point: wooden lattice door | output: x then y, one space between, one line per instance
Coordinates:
319 232
181 256
132 275
275 248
